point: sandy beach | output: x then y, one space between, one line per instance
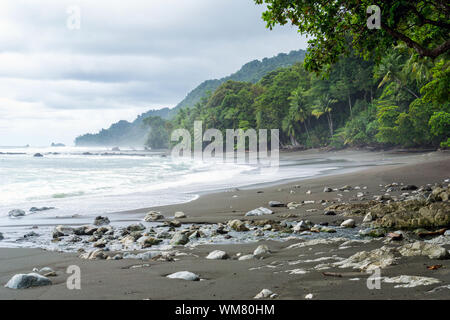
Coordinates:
288 270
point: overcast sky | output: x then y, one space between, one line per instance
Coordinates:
57 81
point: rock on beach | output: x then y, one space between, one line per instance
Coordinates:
217 255
259 212
24 281
184 275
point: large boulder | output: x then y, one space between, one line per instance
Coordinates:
412 214
372 232
85 230
184 275
153 216
370 260
16 213
100 221
259 212
303 226
128 240
420 248
351 209
179 239
36 209
350 223
261 252
147 242
135 227
97 254
179 215
62 231
217 255
237 225
265 294
439 194
24 281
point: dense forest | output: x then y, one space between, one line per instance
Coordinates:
401 101
357 87
124 133
250 72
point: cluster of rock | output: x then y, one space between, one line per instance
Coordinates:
102 240
427 207
387 256
15 213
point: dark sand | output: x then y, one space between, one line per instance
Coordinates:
232 279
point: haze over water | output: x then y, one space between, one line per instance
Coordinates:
85 181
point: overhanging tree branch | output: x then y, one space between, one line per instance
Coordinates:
424 52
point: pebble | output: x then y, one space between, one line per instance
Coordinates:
217 255
276 204
265 294
246 257
368 218
350 223
261 252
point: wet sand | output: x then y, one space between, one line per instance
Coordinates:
233 279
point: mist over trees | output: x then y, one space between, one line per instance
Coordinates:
356 87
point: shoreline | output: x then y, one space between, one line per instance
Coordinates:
314 183
233 279
359 161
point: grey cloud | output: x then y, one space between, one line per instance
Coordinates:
127 54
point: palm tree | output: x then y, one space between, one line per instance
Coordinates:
418 69
323 106
288 126
299 109
390 69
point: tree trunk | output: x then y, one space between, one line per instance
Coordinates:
330 123
350 105
294 142
307 131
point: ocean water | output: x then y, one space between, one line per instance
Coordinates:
88 181
81 183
